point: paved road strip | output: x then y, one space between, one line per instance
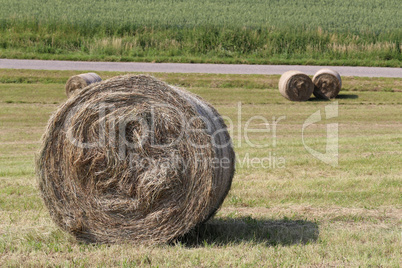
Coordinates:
193 68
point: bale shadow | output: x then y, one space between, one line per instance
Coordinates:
247 229
347 96
340 96
315 99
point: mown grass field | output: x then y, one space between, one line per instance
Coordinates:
298 212
362 32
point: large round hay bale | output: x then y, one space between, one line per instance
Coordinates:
327 84
296 86
80 81
134 159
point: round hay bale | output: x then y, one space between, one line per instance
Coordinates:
80 81
134 159
327 84
296 86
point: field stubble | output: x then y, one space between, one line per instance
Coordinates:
304 213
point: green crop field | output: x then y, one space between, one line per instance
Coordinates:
329 32
293 211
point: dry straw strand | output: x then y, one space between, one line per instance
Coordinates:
81 81
151 178
327 84
296 86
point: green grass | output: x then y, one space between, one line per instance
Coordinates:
270 32
302 213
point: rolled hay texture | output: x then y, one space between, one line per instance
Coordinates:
296 86
134 159
81 81
327 84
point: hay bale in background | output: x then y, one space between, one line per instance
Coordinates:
327 84
80 81
296 86
134 159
